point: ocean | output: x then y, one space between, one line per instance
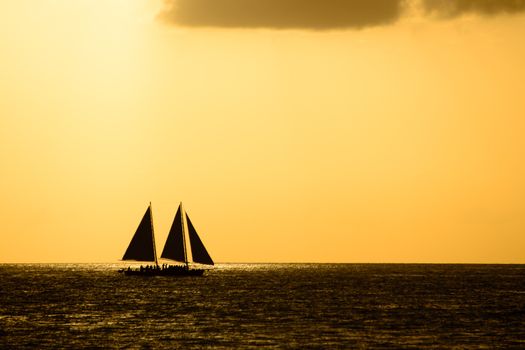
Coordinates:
365 306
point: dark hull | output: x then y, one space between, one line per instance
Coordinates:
166 272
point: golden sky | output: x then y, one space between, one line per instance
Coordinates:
293 131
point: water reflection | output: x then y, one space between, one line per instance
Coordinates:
252 305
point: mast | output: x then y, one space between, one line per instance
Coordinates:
153 235
183 236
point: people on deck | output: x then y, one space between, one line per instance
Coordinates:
163 269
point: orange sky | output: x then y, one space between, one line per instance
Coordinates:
396 136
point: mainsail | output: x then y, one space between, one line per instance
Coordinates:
142 245
174 247
198 251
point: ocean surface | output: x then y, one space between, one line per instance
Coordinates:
264 305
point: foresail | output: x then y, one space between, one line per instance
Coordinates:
174 247
198 251
142 245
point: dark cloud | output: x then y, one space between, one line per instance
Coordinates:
282 14
452 8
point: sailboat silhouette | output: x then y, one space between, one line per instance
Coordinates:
142 248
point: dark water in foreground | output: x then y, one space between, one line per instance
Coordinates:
259 305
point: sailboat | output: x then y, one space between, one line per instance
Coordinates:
142 248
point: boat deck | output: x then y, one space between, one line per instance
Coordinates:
173 271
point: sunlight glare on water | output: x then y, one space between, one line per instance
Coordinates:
269 305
